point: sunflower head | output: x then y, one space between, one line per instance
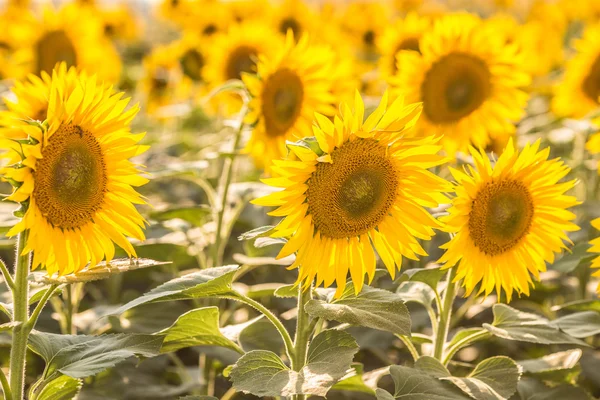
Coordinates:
508 220
72 175
463 76
357 187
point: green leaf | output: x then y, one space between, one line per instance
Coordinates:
430 276
579 305
263 373
580 325
414 384
432 367
260 334
513 324
194 215
416 292
355 382
199 327
286 291
462 334
62 388
373 308
571 260
494 378
532 389
205 283
261 231
562 366
82 356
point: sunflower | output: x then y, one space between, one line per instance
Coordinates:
243 10
19 30
356 188
508 220
364 21
197 20
235 52
74 177
402 35
468 80
286 92
75 35
295 16
119 23
579 90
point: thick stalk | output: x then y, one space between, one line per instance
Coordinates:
18 351
229 164
445 315
303 331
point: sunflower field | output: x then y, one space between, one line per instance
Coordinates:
294 199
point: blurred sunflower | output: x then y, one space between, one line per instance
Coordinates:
357 188
243 10
468 80
74 35
508 220
119 23
404 34
198 20
578 93
236 52
293 15
75 177
407 6
286 92
19 28
364 21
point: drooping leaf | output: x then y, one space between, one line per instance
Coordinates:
81 356
263 373
355 382
195 215
416 292
430 276
414 384
205 283
62 388
533 389
580 325
495 378
579 305
570 260
286 291
562 366
257 232
199 327
513 324
372 308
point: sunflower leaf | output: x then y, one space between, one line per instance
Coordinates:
263 373
580 325
194 215
533 389
62 388
562 366
372 308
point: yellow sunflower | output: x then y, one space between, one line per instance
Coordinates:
75 179
286 92
75 35
508 220
364 21
404 34
198 20
357 188
119 23
235 52
243 10
579 90
468 80
295 16
19 30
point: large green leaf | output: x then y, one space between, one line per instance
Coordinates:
263 373
432 367
82 356
416 384
199 327
205 283
495 378
513 324
62 388
373 308
580 325
532 389
562 366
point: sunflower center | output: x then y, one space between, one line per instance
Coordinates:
454 87
290 24
192 63
282 101
591 84
209 29
54 47
500 216
109 30
369 38
242 59
353 194
70 179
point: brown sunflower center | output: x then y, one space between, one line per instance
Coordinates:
591 83
454 87
282 101
70 179
242 59
290 24
353 194
369 38
192 63
500 216
54 47
209 29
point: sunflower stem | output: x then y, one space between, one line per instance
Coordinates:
303 331
18 351
445 315
217 255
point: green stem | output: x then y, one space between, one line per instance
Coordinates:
40 306
229 164
445 315
5 385
303 331
466 341
69 310
9 281
409 346
18 351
